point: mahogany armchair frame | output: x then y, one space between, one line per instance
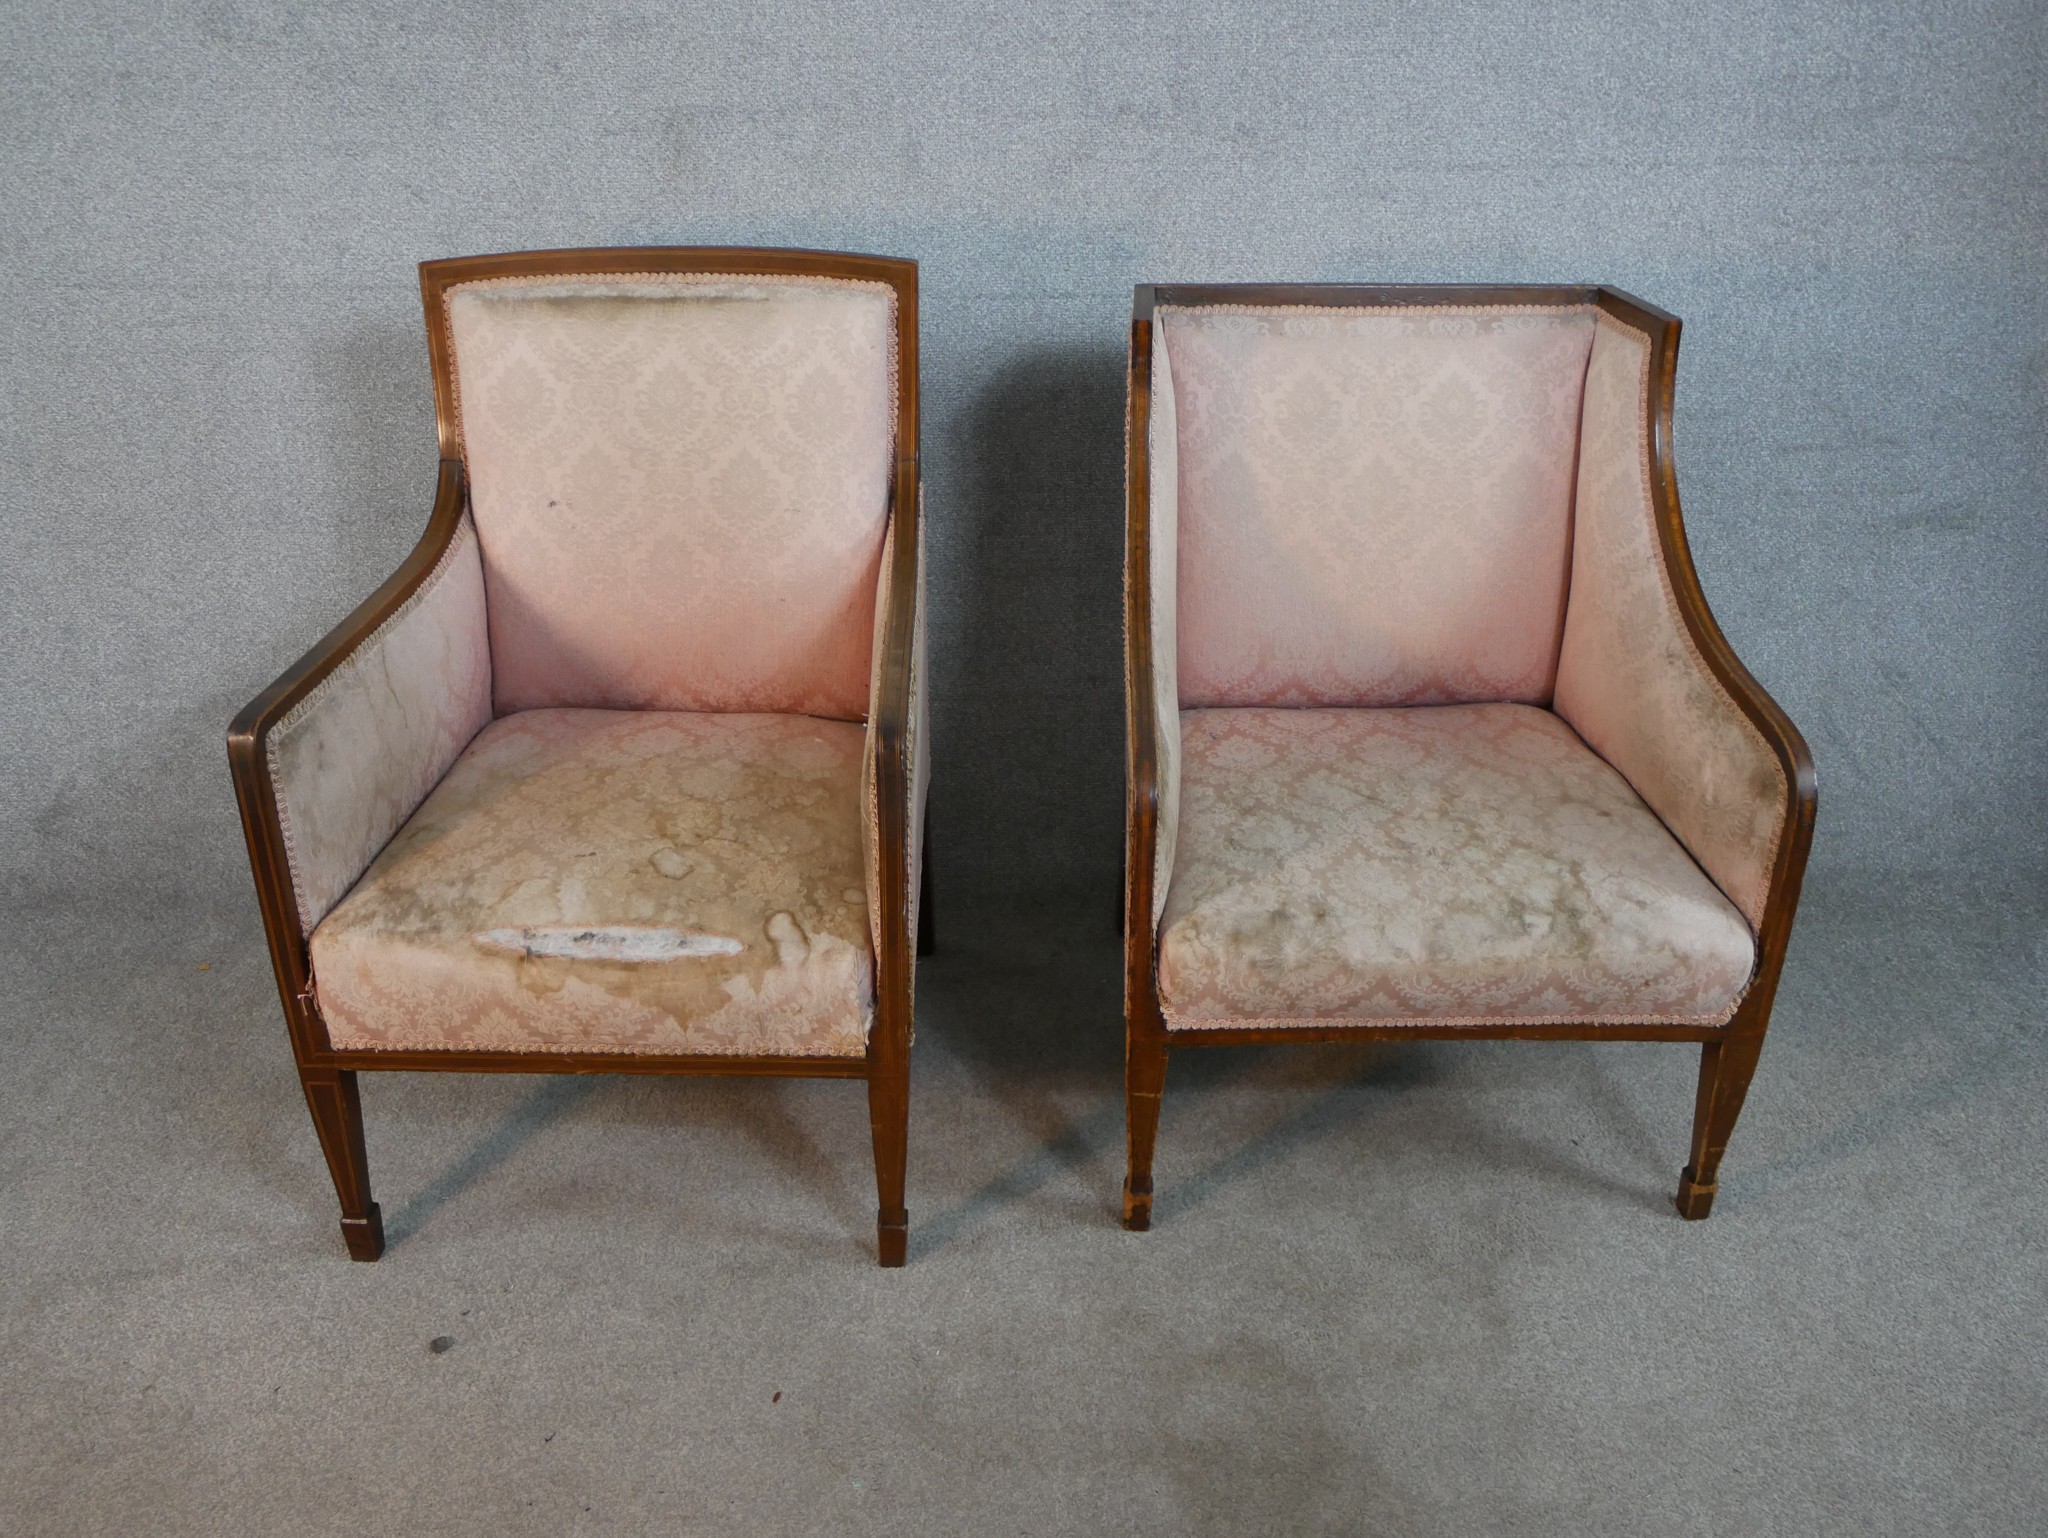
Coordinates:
1728 1053
328 1074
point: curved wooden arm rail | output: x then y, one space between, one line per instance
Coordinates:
1729 1051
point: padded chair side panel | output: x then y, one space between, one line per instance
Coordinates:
352 760
917 750
1375 502
1163 527
1630 679
919 747
680 482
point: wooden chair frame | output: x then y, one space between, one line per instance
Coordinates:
328 1075
1729 1052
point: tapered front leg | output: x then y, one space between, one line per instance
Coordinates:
1726 1067
1144 1083
338 1118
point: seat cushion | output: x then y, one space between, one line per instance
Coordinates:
617 881
1458 864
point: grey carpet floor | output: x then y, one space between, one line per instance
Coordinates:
1432 1288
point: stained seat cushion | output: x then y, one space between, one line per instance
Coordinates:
622 881
1458 864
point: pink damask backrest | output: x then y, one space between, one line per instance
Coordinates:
1375 502
680 484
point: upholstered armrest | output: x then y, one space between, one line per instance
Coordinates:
1645 676
1151 686
334 756
898 760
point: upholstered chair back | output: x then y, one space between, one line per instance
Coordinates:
1375 503
680 485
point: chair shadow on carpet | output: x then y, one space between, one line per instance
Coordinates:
1341 1088
751 1117
550 1102
1029 1008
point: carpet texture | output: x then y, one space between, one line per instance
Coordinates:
1414 1289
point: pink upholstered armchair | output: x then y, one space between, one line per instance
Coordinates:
1431 732
624 769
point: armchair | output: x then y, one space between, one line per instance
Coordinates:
624 769
1431 733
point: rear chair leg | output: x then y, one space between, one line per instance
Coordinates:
889 1121
1726 1068
338 1118
1144 1083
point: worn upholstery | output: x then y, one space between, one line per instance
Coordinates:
680 483
1374 503
1161 448
1631 679
618 881
352 759
1466 864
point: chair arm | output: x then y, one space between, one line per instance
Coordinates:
336 754
898 756
1645 675
1151 674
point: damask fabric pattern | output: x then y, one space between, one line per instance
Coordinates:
1375 503
353 758
681 486
1450 865
1630 679
1163 531
617 881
